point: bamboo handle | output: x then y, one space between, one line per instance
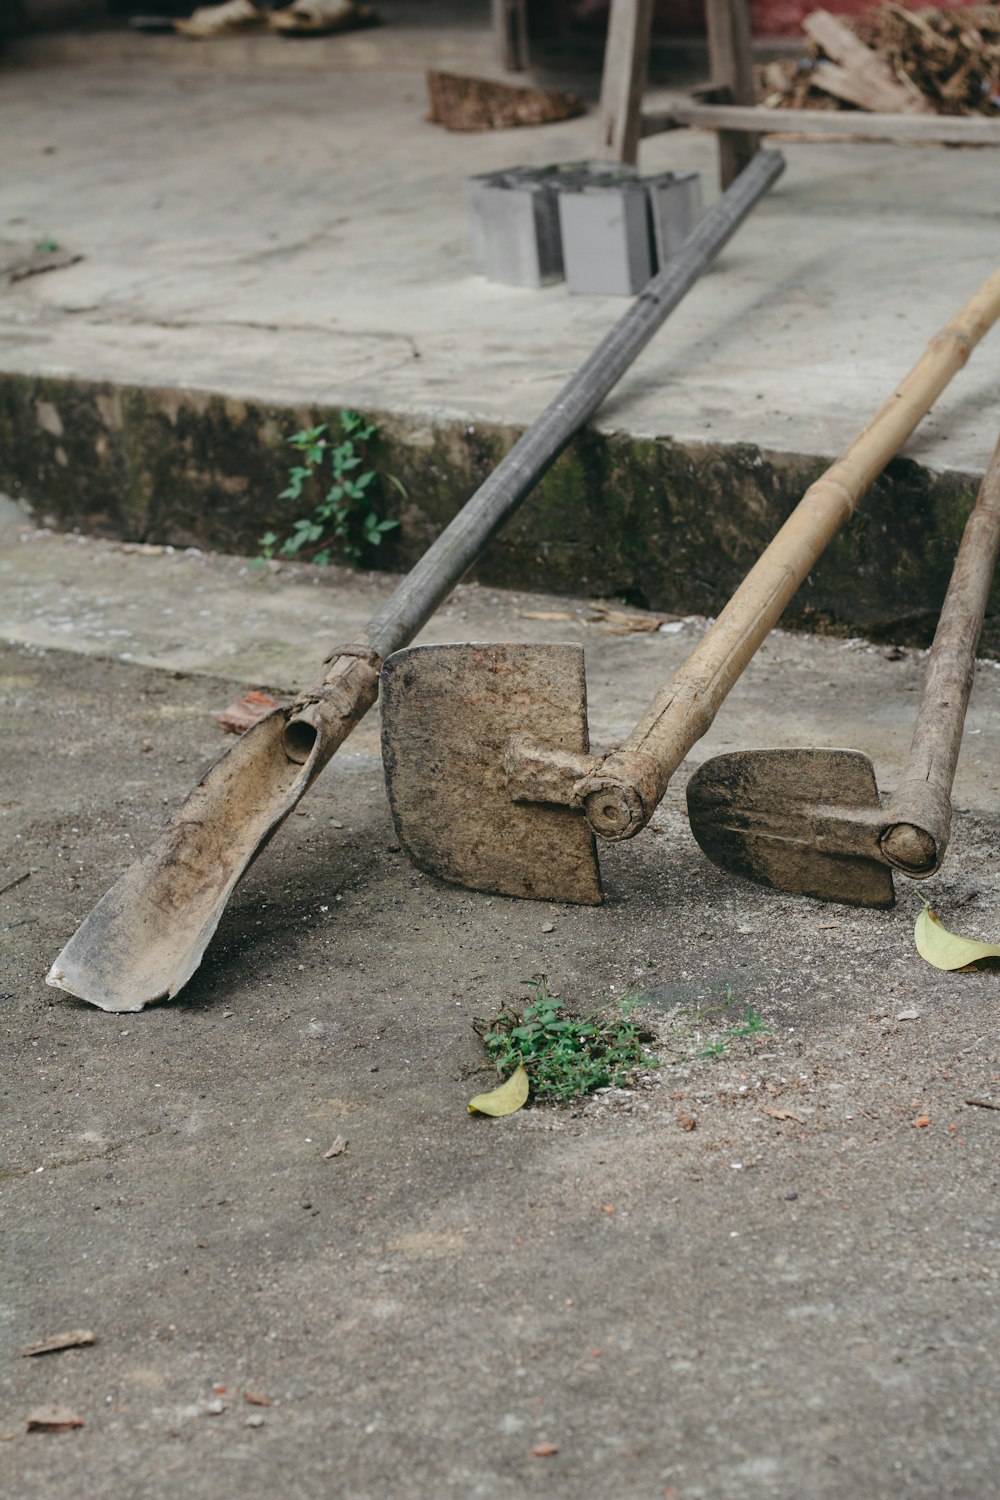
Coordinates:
621 796
919 815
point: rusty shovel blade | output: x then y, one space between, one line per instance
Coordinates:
803 821
146 937
448 713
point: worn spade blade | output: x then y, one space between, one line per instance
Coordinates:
146 936
447 715
805 821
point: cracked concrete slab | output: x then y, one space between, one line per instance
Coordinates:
795 1295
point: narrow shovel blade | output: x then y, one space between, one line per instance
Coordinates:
804 821
447 715
146 936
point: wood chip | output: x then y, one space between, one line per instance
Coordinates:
75 1339
337 1149
983 1103
628 621
686 1122
461 103
256 1398
781 1114
246 711
52 1418
545 614
544 1450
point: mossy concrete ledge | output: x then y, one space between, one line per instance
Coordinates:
668 525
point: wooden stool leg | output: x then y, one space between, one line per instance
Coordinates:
510 32
731 66
626 60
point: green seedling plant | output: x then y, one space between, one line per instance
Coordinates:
690 1026
345 519
752 1025
566 1056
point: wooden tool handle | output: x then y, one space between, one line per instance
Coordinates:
622 794
919 815
463 540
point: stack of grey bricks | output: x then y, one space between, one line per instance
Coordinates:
598 224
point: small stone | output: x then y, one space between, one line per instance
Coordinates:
255 1421
52 1418
548 927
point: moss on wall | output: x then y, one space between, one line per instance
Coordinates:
671 526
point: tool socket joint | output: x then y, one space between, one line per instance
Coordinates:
911 849
620 797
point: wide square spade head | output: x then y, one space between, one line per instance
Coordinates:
448 713
805 821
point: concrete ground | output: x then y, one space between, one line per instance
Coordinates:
797 1296
278 221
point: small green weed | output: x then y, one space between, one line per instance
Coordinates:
566 1056
753 1025
346 518
707 1024
47 246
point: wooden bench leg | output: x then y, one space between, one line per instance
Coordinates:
731 66
510 32
623 82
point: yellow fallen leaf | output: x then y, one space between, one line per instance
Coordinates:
946 950
510 1095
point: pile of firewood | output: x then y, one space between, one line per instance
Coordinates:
893 60
461 103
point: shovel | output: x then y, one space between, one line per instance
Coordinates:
809 821
485 747
146 936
